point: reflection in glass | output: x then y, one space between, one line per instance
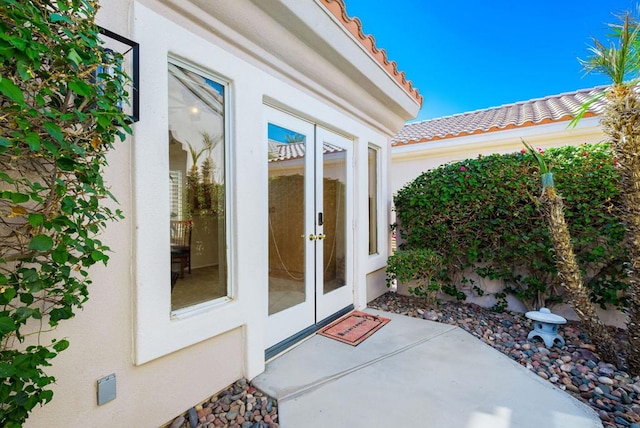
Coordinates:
373 201
197 188
334 205
286 159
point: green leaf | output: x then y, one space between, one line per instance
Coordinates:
33 139
6 370
41 243
9 293
19 43
97 255
66 164
24 71
46 395
56 17
15 197
61 345
74 57
54 130
60 256
36 219
7 325
36 286
24 313
58 314
80 88
11 90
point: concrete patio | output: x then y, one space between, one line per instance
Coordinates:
414 373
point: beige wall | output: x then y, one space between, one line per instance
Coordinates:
166 362
101 335
376 284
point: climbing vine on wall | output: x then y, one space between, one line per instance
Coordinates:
59 117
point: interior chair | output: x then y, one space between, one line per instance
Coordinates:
181 244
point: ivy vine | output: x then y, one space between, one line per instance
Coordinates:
59 117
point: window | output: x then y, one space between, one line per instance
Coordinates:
373 200
197 187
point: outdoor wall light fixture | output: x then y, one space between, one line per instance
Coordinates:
130 50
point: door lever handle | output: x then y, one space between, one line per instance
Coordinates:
312 237
321 236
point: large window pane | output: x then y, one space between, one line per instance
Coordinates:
197 185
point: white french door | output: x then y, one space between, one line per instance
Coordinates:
310 234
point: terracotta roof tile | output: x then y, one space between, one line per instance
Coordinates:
554 108
354 26
286 151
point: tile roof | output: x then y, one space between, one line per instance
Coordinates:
286 151
554 108
354 26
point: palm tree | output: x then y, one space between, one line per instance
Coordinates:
568 270
621 122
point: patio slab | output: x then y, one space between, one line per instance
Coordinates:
414 373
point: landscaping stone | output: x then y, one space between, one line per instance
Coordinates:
178 422
241 405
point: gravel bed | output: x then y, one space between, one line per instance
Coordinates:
575 368
239 406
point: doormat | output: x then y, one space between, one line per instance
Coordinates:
354 327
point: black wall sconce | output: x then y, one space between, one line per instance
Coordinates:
130 50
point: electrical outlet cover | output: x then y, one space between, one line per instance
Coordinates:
106 389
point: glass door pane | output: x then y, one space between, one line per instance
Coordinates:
334 203
334 289
287 261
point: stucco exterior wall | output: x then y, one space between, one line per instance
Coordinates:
166 362
376 284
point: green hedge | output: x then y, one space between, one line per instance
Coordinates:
481 216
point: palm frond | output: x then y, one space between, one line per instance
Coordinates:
195 153
584 108
209 141
537 156
618 60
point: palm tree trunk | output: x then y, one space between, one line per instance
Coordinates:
621 122
570 277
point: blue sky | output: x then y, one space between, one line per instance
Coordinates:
470 55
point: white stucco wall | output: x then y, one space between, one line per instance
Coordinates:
165 363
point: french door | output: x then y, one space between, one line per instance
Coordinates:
310 245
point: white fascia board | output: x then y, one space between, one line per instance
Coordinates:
301 41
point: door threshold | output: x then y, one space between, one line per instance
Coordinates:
286 345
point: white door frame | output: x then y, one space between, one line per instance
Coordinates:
330 303
317 305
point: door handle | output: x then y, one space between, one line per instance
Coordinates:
321 236
312 237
